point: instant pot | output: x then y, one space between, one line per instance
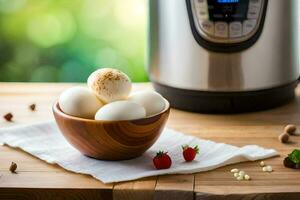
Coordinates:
224 56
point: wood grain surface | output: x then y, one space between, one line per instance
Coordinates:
38 180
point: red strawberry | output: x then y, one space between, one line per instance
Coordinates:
189 153
162 160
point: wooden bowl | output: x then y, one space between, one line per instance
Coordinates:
111 140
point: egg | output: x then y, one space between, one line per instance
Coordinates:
109 84
79 102
153 102
120 110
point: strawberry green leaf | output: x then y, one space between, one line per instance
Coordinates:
160 153
196 148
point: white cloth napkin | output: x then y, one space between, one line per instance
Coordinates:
45 141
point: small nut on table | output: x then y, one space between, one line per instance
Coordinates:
13 167
8 117
283 138
234 170
247 177
264 169
290 129
242 173
269 168
32 107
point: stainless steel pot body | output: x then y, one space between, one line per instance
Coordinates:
176 59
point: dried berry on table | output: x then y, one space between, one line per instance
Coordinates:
32 107
8 117
13 167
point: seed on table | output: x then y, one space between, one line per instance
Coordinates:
262 163
236 175
234 170
284 137
264 169
239 178
290 129
242 173
247 177
269 168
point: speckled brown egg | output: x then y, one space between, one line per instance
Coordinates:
109 84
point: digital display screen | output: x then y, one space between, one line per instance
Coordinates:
227 10
228 1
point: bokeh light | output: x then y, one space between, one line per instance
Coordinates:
45 73
63 40
51 29
132 14
9 6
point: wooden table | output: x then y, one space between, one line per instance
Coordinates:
40 180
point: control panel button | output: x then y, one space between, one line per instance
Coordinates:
249 26
221 29
208 27
217 16
256 2
200 3
202 14
201 9
254 9
235 29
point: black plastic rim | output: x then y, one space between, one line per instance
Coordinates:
227 102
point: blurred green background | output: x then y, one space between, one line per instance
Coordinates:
65 40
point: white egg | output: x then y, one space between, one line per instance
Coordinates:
120 110
109 84
153 102
79 102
